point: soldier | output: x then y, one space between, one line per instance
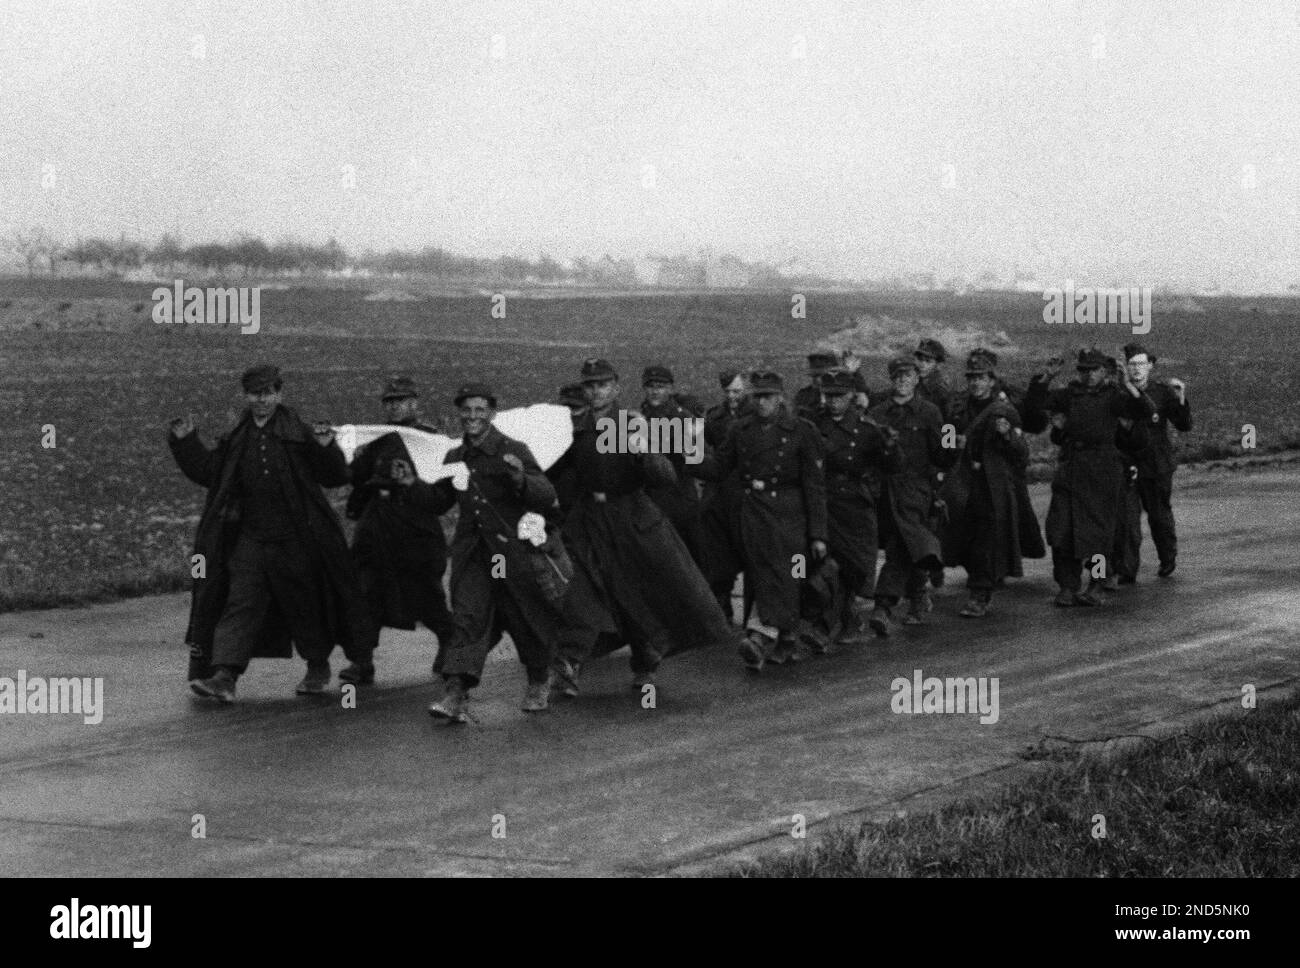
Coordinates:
623 547
930 356
1156 464
499 582
809 399
857 454
277 567
723 556
398 546
1087 488
680 501
777 458
991 525
907 505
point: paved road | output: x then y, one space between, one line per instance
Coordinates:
716 771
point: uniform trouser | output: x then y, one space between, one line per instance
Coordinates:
979 552
1067 571
1126 555
262 574
586 632
852 582
432 612
898 576
484 607
1155 494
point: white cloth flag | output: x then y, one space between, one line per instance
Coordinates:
546 428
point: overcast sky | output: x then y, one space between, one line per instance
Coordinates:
1136 142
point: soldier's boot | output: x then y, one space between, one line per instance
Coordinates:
1111 582
535 696
753 650
977 606
358 674
850 627
819 643
642 679
564 678
1166 568
1092 595
936 577
316 679
1065 598
219 686
785 650
879 621
454 704
917 606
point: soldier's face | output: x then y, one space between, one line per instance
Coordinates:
1092 376
263 402
601 394
767 404
1139 368
400 408
657 393
925 364
734 391
838 403
979 384
904 382
476 415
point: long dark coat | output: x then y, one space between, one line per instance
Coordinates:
680 500
624 544
309 467
987 498
1089 480
908 506
399 546
782 508
856 460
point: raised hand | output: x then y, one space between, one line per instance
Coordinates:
182 426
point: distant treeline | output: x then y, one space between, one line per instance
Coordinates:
254 256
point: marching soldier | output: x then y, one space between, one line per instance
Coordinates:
398 546
991 525
680 501
907 505
783 525
502 581
809 399
1087 488
1156 464
723 556
277 568
930 356
857 454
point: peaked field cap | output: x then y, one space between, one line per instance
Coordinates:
981 360
1091 359
822 360
469 390
259 377
573 393
765 381
399 387
837 382
1137 349
900 363
931 348
656 374
597 370
727 377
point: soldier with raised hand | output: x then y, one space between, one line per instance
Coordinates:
1087 488
858 454
398 545
276 565
1156 463
776 458
907 505
498 580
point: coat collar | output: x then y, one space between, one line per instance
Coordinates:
284 423
489 445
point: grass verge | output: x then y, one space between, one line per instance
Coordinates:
1219 801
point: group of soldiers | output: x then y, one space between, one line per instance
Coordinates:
615 546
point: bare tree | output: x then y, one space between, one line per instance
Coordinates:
33 245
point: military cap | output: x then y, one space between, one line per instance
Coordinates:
765 381
656 374
597 371
817 362
1112 366
1137 349
837 382
1091 359
931 348
261 376
572 394
398 388
475 390
690 403
900 363
981 360
726 377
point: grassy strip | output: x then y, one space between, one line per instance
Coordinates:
1219 801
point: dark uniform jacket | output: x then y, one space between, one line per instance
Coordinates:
307 468
399 544
680 500
1158 459
934 388
1086 489
808 401
778 463
909 494
856 458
